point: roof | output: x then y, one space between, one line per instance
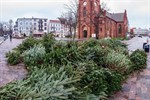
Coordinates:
31 18
55 21
118 17
63 20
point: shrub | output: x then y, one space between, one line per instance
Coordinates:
47 41
40 86
96 54
140 52
139 60
14 57
101 82
97 65
122 50
110 43
118 62
35 55
62 54
27 44
90 43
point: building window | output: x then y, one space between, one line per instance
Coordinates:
45 24
34 28
95 4
120 29
101 21
84 19
26 23
26 28
84 11
101 29
45 20
45 28
34 23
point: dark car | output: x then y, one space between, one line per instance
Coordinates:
140 36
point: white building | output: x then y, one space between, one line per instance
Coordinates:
59 29
140 31
54 26
31 26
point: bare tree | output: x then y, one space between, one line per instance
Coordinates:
10 26
1 29
70 18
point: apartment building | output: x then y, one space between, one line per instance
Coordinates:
58 28
30 26
54 26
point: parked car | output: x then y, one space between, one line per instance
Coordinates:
140 36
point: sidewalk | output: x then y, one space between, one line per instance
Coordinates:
1 40
10 73
137 86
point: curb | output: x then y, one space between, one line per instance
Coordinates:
2 41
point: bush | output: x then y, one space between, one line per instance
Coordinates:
101 82
110 43
27 44
47 41
90 43
140 52
118 62
14 57
40 86
35 55
123 50
139 60
98 65
96 54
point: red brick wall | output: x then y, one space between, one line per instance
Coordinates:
108 27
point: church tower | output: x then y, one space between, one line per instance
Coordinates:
88 18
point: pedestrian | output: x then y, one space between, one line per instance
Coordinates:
10 36
24 35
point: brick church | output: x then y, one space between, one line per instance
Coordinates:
93 21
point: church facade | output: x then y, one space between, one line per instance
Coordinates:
93 21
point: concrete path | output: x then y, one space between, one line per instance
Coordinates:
137 86
10 73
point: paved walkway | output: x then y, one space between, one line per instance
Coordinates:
10 73
137 87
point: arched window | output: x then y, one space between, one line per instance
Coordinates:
96 7
85 3
95 4
84 11
120 29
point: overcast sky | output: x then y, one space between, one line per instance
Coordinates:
138 10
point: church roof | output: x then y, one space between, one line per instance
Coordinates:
118 17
